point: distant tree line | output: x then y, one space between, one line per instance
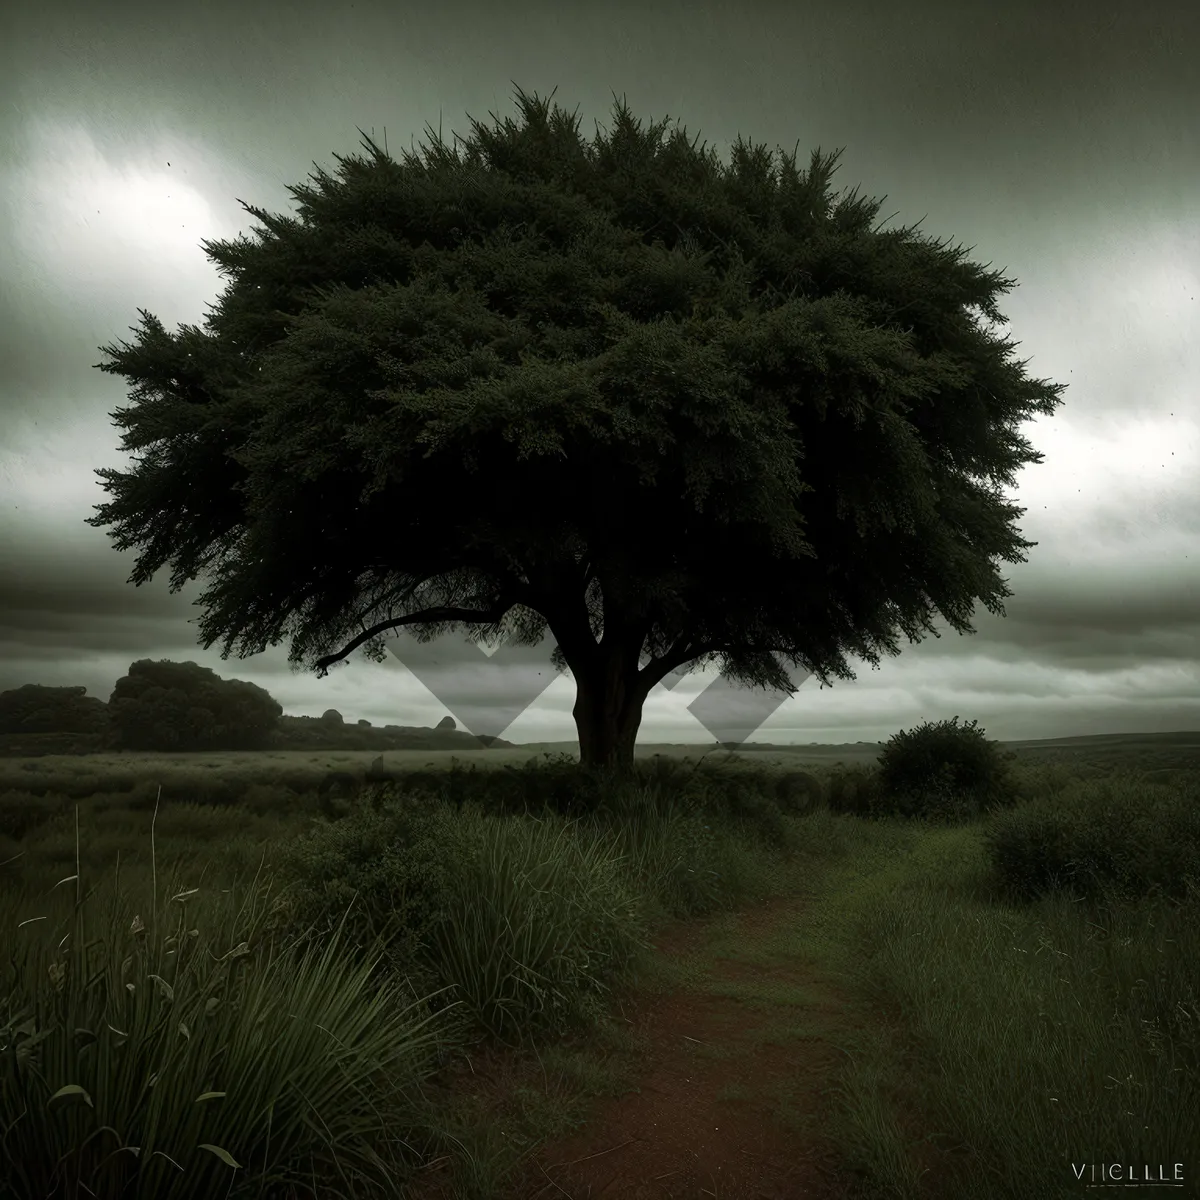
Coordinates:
183 707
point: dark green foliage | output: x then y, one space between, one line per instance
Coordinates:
625 345
551 783
431 783
558 784
36 721
1101 839
341 792
185 707
77 787
23 812
377 772
34 709
217 792
746 799
39 745
270 799
854 791
942 772
143 796
45 721
337 785
396 867
798 793
573 790
213 790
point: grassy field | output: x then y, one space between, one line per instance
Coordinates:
417 997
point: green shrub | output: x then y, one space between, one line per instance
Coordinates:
1114 837
748 800
393 866
675 856
943 772
559 785
454 787
522 918
337 792
798 793
854 791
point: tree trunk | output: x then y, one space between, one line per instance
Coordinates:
608 711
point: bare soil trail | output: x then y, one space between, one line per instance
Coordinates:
733 1091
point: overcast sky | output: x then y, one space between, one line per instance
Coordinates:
1064 148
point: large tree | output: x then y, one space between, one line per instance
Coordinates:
673 411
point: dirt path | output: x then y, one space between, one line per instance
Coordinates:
735 1085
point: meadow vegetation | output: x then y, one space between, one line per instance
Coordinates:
226 988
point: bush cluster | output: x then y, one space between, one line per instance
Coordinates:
943 772
1123 838
798 793
391 870
555 785
524 930
853 791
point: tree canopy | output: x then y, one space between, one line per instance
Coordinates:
674 412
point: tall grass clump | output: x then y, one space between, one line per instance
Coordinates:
691 846
522 920
1028 1038
853 791
147 1056
542 917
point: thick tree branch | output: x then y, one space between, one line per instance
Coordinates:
684 651
429 616
657 669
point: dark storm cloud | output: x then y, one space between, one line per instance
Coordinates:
1057 141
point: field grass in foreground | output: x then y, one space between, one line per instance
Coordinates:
288 1031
